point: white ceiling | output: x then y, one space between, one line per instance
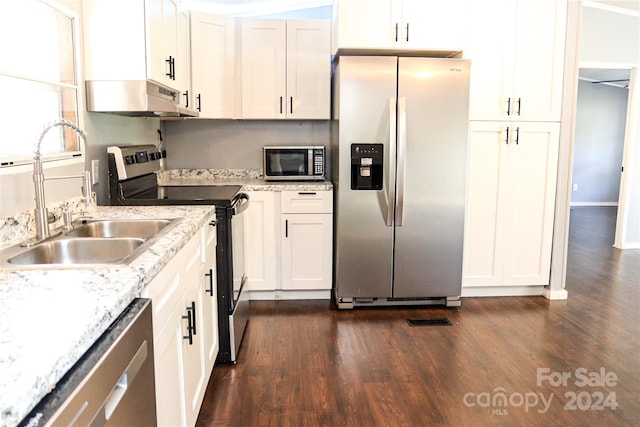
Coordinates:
632 5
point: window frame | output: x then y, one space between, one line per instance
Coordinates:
22 163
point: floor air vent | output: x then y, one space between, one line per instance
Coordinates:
435 321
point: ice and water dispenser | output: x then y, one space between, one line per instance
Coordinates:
366 166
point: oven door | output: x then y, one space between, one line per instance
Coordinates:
239 315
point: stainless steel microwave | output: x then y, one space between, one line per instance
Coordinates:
293 163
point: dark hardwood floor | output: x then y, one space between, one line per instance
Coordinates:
304 363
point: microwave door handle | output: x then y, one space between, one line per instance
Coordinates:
240 203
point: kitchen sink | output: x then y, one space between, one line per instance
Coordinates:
94 251
91 243
139 228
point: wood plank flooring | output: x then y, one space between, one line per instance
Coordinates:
304 363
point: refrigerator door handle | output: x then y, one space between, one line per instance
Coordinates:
402 149
392 161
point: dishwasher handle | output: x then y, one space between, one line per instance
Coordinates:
128 376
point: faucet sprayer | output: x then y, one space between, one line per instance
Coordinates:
41 214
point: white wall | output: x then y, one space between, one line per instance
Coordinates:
608 36
599 140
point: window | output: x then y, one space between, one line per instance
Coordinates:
38 80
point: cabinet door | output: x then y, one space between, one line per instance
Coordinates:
512 173
193 351
263 69
484 219
167 358
183 60
365 24
213 55
308 69
260 224
517 54
306 251
162 40
490 44
432 24
195 380
209 299
532 165
539 60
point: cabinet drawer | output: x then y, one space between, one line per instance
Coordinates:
307 201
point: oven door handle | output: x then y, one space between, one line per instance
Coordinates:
240 203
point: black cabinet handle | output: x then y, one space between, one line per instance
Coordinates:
506 140
210 276
186 98
519 102
199 102
307 193
396 31
172 67
518 135
193 313
291 104
509 106
286 228
280 105
189 327
407 39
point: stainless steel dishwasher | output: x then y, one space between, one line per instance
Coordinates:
112 384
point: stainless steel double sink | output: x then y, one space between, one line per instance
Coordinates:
92 243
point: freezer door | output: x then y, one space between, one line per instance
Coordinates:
433 105
364 241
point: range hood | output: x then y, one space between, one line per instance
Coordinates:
134 98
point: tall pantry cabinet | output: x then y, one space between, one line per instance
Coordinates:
517 52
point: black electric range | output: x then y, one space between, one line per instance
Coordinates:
133 182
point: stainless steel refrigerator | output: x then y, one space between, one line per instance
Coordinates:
399 150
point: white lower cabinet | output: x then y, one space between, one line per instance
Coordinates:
512 171
307 251
307 240
289 238
260 245
185 330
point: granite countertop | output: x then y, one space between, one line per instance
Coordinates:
49 318
250 179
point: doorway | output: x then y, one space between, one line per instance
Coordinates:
601 117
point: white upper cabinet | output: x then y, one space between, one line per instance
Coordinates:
286 69
427 25
133 40
213 56
516 50
183 79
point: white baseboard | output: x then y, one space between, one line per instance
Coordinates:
602 204
556 295
628 245
503 291
288 295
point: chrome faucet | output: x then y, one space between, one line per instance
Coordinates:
42 218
